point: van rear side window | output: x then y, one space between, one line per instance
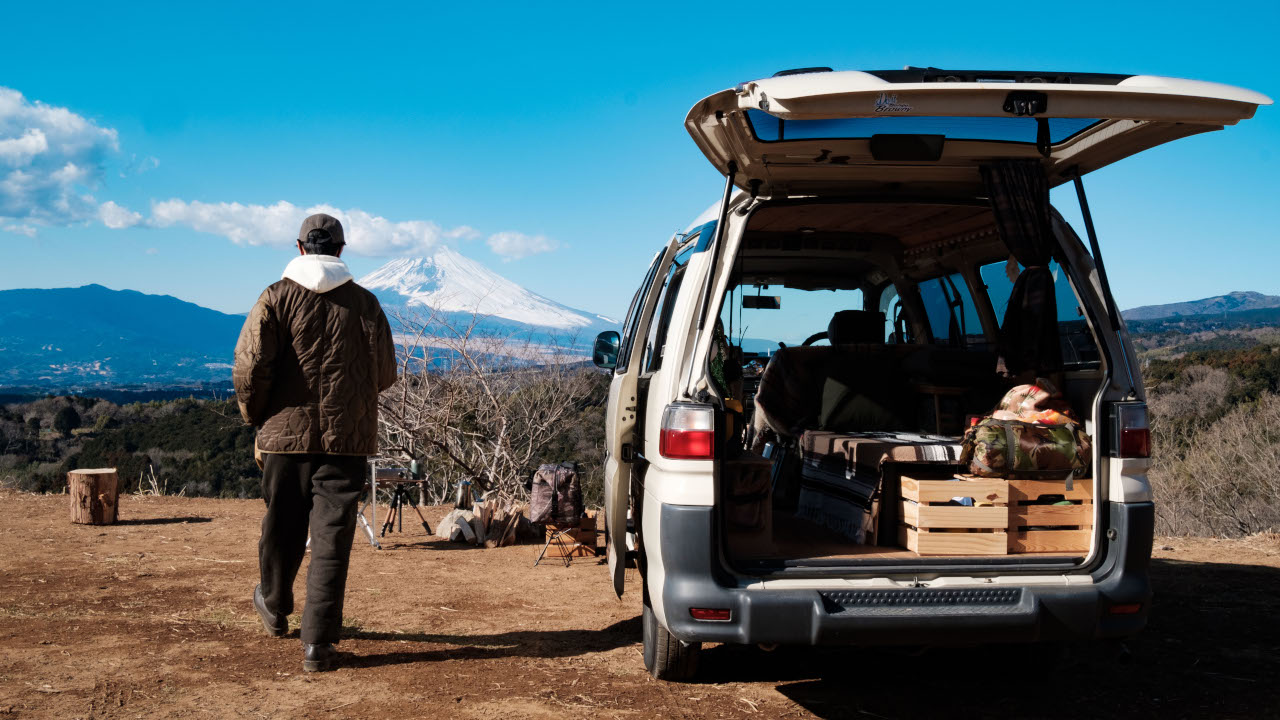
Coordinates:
633 317
1078 346
953 319
656 343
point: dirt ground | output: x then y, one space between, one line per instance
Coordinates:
152 618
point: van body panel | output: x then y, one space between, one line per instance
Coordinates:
1128 477
680 482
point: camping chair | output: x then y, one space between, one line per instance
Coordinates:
559 535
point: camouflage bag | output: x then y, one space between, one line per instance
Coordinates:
1011 448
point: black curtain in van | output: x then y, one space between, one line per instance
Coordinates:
1019 193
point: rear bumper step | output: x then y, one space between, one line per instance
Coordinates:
988 613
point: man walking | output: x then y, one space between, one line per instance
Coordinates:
313 355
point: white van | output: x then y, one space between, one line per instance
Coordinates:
884 264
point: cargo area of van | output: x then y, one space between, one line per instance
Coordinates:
856 344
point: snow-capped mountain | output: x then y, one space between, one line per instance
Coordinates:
450 283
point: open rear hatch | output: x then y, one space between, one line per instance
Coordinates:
917 138
849 132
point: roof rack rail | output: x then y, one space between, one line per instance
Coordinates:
912 74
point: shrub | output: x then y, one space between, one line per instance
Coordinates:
66 420
1218 478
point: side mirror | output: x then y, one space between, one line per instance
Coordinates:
604 353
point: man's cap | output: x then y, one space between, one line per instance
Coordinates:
324 227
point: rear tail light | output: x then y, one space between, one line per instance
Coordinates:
1132 433
688 432
1126 609
713 614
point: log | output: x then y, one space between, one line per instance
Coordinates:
94 496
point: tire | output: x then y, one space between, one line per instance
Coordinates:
665 657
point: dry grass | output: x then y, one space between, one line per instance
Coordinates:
1219 478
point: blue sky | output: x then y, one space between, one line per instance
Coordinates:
528 127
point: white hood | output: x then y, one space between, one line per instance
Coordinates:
317 273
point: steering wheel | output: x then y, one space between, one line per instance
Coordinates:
814 338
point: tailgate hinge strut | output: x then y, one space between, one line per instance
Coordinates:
1112 314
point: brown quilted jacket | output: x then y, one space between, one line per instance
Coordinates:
309 367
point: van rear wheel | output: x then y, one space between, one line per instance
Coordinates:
666 657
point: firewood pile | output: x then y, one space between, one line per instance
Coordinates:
491 523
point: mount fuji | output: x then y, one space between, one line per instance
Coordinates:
456 287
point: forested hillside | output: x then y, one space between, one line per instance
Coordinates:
1215 414
200 447
196 447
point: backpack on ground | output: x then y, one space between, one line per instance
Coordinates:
555 496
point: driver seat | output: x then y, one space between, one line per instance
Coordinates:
856 327
789 397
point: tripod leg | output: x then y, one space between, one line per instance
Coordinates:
565 549
423 519
368 530
391 516
543 553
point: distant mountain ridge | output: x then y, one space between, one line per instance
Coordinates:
1239 301
95 335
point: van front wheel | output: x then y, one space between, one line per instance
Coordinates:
665 657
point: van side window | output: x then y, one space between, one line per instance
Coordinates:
896 329
953 319
633 317
656 343
1078 346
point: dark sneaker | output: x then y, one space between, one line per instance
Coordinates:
275 625
319 657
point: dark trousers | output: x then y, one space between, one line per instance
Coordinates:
318 492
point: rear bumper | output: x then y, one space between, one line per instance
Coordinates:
986 613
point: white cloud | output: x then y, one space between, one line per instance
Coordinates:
18 151
23 229
116 217
50 158
277 224
515 245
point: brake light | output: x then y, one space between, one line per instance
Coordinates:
713 614
1126 609
1132 432
688 432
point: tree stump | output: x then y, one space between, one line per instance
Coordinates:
94 496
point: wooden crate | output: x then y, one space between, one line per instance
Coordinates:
1060 528
929 526
577 542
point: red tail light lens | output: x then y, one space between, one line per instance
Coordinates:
1132 432
1126 609
714 614
688 432
1135 443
